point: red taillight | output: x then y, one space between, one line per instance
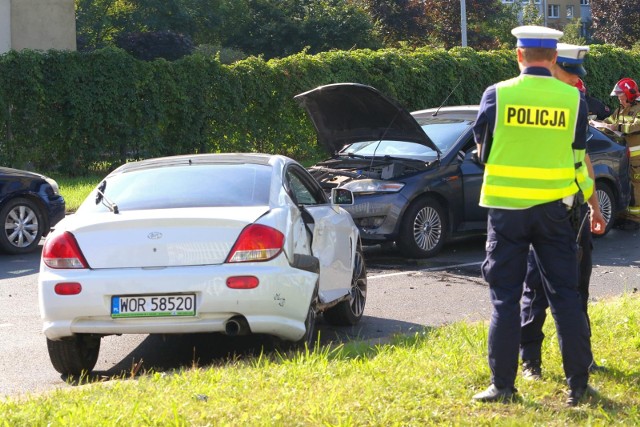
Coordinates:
70 288
242 282
256 243
62 251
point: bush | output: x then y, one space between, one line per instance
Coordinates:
69 111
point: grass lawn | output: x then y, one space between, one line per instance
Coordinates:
76 189
419 380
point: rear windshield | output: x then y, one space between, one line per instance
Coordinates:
185 186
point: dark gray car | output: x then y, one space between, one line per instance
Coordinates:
415 176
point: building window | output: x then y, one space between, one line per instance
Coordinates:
570 12
584 2
553 11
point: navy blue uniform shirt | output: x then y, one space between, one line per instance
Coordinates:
487 113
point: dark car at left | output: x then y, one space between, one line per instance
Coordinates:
30 205
415 177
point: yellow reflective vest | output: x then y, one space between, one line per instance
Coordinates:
582 174
531 161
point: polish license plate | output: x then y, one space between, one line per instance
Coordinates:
153 306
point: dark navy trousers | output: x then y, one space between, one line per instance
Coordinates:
510 233
534 298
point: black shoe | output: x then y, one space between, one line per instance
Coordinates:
594 367
495 394
578 394
531 370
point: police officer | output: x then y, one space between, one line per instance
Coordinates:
527 129
626 120
597 109
568 69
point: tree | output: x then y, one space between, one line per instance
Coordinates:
573 33
97 22
100 22
217 22
336 24
531 14
150 45
398 20
484 22
271 28
616 22
277 28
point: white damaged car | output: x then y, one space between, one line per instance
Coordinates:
231 243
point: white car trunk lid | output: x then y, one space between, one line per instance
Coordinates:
161 238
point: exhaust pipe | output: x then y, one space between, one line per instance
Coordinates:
237 325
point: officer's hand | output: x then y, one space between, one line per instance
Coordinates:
598 224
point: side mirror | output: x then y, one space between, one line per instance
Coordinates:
341 196
473 156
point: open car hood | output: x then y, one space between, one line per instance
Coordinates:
344 113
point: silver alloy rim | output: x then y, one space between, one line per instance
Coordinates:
358 286
427 228
605 205
21 226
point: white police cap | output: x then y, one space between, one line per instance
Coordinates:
536 36
570 58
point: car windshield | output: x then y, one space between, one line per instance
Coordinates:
185 186
444 131
404 149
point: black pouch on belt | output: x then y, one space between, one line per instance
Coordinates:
574 213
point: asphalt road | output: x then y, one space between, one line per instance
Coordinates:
404 296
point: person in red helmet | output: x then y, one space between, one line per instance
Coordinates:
626 120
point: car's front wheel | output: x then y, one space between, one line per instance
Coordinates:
606 202
74 355
22 226
423 230
349 312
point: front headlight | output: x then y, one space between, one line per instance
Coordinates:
54 186
373 186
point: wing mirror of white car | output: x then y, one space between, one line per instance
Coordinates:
341 196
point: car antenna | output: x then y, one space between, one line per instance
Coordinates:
382 135
447 98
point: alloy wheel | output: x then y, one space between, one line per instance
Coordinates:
427 228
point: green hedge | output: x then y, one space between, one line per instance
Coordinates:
77 112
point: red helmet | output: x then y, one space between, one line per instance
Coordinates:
581 87
628 87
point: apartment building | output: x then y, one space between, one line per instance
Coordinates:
37 24
558 13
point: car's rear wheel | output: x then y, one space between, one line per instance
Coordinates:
310 336
606 202
22 226
349 312
74 355
423 230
